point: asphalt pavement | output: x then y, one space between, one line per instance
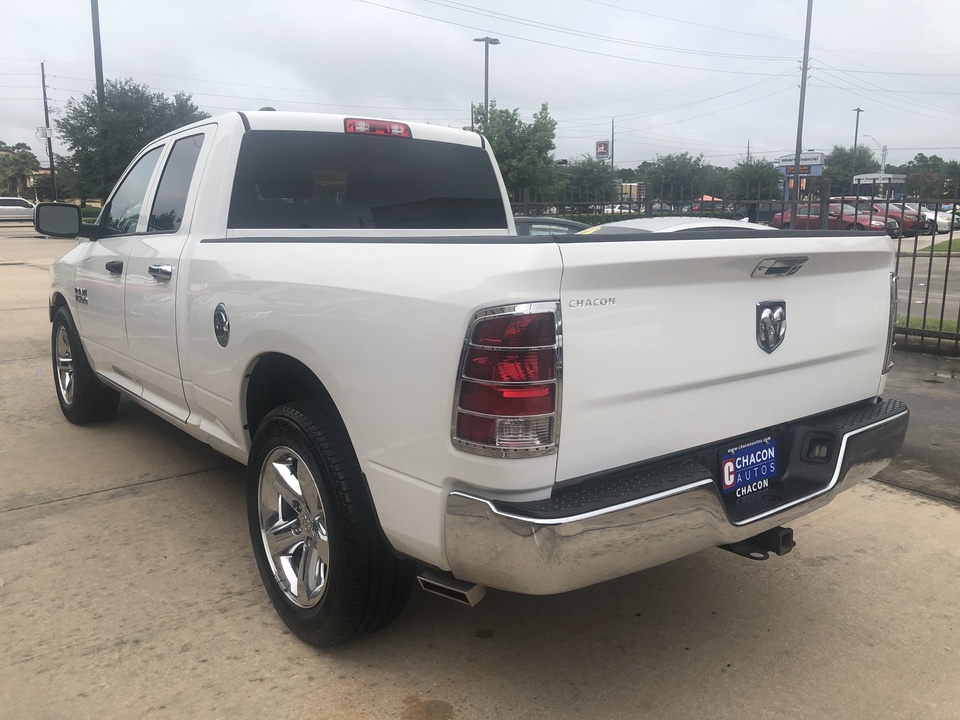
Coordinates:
128 589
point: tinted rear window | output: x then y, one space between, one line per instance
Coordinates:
289 180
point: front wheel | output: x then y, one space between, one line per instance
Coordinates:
83 398
854 226
325 567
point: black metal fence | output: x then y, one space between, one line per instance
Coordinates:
926 234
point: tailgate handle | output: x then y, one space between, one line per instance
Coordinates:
779 267
161 272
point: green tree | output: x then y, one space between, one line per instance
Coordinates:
753 179
951 178
589 178
73 183
523 150
681 178
17 165
133 116
927 177
43 186
841 164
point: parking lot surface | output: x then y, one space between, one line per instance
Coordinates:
128 589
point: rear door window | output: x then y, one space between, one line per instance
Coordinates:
291 180
171 200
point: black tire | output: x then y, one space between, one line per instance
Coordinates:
363 586
83 398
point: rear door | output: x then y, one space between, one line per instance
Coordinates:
661 346
153 274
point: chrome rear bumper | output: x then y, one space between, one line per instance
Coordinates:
522 549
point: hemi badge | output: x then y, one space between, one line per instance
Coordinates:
779 267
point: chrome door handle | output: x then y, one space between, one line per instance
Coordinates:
161 272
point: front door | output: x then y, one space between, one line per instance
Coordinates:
100 277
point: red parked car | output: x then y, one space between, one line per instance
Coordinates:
910 222
840 217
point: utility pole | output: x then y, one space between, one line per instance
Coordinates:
97 54
46 124
101 97
794 196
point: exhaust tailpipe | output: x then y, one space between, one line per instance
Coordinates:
446 585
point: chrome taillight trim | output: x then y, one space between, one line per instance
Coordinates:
510 452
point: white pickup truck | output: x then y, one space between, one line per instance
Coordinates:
342 305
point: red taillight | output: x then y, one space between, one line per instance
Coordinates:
508 391
510 365
517 331
514 400
376 127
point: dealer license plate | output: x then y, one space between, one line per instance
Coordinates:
749 468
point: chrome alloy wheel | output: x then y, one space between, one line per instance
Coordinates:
293 527
65 370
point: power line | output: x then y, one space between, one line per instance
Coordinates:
461 7
562 47
690 22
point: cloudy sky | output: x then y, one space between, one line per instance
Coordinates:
701 76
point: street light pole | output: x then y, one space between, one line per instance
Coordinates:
487 42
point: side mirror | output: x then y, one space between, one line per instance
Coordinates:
57 219
833 214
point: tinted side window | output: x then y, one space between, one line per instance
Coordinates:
122 212
333 180
167 212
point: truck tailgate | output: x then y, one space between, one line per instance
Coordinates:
660 339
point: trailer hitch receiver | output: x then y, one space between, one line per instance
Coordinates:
778 540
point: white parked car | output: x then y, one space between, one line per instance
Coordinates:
15 208
940 222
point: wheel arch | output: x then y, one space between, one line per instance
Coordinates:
277 379
56 302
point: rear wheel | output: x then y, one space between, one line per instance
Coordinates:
83 398
326 568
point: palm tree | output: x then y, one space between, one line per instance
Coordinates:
16 168
754 180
